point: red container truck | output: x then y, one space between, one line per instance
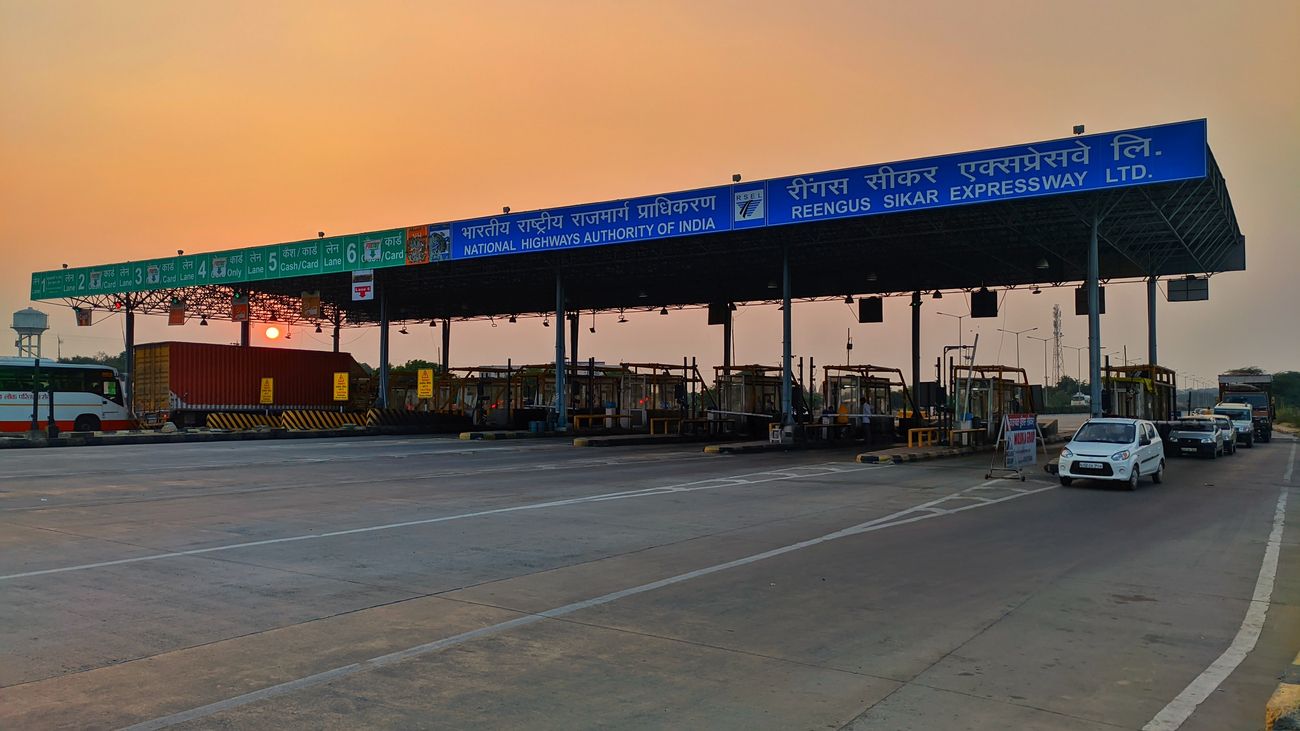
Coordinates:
184 382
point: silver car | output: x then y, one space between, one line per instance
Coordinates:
1229 433
1196 437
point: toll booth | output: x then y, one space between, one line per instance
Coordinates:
1139 392
845 388
984 393
750 395
663 397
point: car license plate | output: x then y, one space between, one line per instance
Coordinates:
1090 465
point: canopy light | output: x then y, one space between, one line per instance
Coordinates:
403 331
1042 264
203 321
318 330
938 295
848 299
663 310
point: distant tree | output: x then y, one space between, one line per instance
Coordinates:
411 366
1246 371
100 358
1286 388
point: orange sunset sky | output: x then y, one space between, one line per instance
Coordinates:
130 129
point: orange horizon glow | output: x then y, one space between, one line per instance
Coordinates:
133 130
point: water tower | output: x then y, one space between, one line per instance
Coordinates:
29 324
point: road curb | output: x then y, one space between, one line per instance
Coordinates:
493 435
1283 709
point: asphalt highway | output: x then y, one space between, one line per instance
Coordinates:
433 583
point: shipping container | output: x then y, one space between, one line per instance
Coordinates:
183 382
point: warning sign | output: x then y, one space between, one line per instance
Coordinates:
424 386
268 391
341 386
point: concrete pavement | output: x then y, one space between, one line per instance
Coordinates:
431 583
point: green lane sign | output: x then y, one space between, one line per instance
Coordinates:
297 259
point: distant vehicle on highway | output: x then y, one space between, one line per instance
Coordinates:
1229 433
1256 390
1198 436
1122 450
1243 420
86 397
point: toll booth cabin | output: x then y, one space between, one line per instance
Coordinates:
847 388
662 398
750 397
985 393
1139 392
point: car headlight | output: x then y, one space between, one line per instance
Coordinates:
1207 440
1120 456
1067 453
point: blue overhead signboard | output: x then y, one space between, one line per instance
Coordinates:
1142 156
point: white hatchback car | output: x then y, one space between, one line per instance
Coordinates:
1122 450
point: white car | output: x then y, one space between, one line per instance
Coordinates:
1122 450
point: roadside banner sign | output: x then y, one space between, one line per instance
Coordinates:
363 285
424 385
1022 441
268 391
311 305
239 308
341 386
83 316
176 315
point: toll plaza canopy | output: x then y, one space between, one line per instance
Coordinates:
1018 215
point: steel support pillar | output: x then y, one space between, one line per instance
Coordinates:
446 345
1094 320
383 349
245 333
726 343
787 374
338 321
1151 322
561 392
573 353
128 360
916 347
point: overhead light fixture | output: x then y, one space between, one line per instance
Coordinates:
735 177
513 319
65 266
288 334
1042 264
546 321
621 318
318 330
593 322
493 320
641 294
505 209
848 299
663 310
871 277
203 320
1037 291
433 323
180 252
937 295
1078 129
320 234
771 284
403 331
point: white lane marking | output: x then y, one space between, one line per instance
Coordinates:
709 484
917 513
1181 708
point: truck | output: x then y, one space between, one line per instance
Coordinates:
1255 389
184 382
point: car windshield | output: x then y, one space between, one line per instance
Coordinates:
1101 432
1235 414
1196 425
1223 422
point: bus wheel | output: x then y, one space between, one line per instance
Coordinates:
86 422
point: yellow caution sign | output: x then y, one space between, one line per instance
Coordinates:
268 391
341 386
424 386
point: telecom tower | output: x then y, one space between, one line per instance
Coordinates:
1056 345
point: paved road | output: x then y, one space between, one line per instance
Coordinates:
430 583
